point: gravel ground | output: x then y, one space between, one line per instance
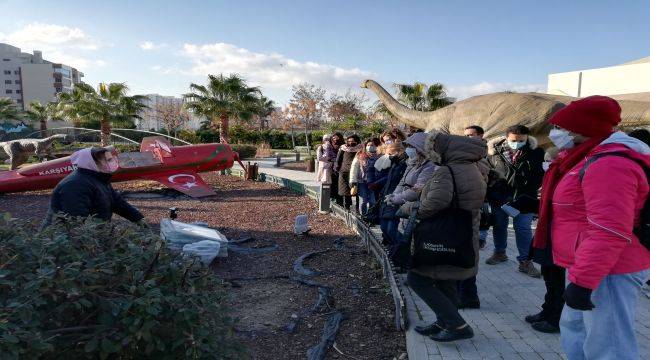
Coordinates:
264 296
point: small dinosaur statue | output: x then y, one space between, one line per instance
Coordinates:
498 111
17 152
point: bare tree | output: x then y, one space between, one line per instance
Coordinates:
306 108
172 115
340 107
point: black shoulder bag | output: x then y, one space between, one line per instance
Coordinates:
447 237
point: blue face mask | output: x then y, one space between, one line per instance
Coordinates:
516 145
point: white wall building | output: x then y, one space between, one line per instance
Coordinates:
150 119
27 77
629 81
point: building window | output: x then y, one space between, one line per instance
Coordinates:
58 90
7 72
6 59
17 82
8 91
7 81
19 100
17 91
17 72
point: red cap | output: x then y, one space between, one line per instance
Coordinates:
592 116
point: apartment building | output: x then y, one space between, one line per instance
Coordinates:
28 77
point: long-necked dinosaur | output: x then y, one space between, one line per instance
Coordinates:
18 151
498 111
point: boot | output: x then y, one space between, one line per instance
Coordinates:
497 257
529 269
546 327
531 319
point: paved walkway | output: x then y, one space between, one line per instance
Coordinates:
507 296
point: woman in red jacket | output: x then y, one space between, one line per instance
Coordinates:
592 198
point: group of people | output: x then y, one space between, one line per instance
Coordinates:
435 195
588 193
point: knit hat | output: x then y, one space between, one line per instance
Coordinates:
592 116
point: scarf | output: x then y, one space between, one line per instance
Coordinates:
556 171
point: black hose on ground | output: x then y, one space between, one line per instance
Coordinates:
331 328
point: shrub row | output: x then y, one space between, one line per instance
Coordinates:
84 290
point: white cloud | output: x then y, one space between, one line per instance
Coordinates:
148 45
63 44
464 91
269 70
46 37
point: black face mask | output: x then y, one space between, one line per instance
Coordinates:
352 144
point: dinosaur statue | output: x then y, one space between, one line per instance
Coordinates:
17 152
498 111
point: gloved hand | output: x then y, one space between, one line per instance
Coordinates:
387 199
374 187
578 297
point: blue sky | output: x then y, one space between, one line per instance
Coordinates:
472 47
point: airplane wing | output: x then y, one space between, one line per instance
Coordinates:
189 183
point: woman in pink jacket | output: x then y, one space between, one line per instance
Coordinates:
592 197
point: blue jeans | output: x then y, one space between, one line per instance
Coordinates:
607 331
389 229
366 197
523 232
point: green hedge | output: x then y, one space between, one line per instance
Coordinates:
86 290
246 151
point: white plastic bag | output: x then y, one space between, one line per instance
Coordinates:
301 226
178 234
206 250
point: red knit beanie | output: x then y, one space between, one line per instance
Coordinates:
592 116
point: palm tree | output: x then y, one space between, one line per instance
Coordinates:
39 113
266 107
108 105
8 110
421 97
223 98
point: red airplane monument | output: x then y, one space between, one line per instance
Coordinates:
177 167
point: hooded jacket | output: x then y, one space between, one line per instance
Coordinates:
88 192
519 181
464 156
592 222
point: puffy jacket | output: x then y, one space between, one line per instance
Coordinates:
416 175
87 192
520 181
465 157
592 222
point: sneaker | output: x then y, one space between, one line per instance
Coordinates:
546 327
531 319
430 329
497 257
529 269
447 335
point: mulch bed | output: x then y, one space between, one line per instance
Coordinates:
264 298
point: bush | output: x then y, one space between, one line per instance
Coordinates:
245 151
89 290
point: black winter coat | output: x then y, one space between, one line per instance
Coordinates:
343 166
519 183
397 169
86 192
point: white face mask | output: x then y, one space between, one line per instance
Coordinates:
561 139
545 165
411 152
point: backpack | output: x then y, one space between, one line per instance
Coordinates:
643 230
